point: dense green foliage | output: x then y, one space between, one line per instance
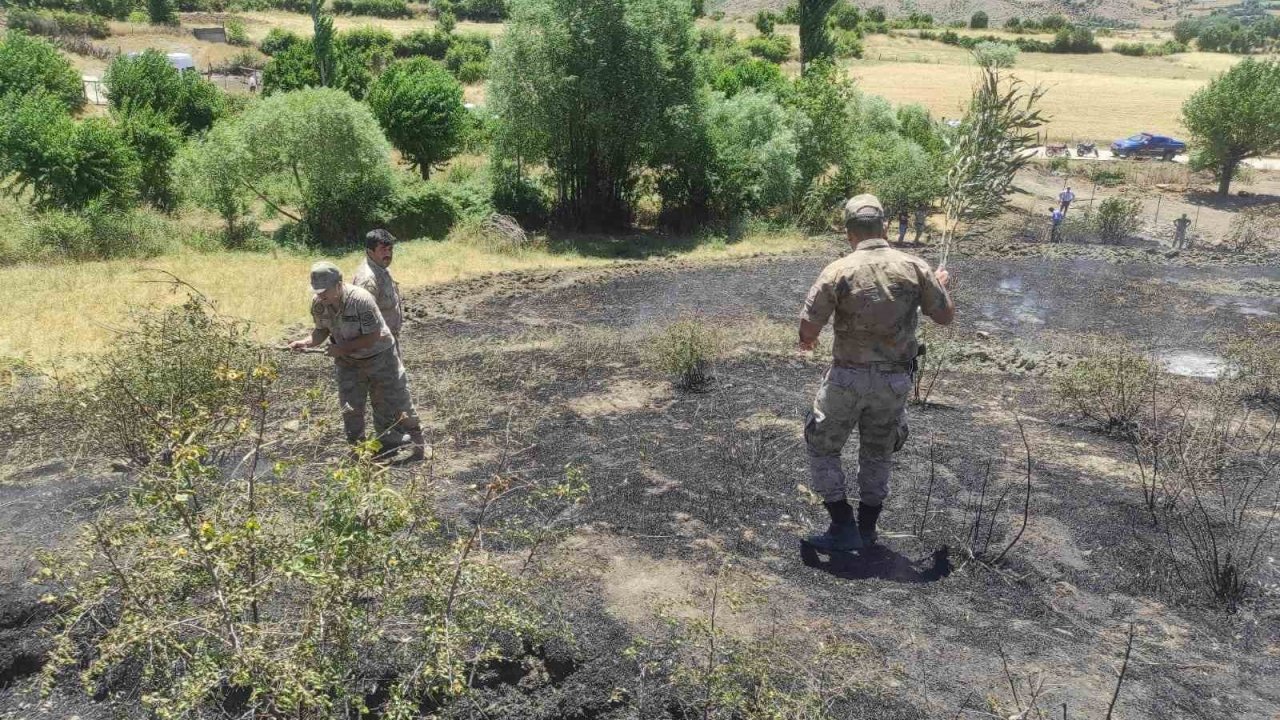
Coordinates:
979 20
147 80
277 41
209 172
271 151
1222 33
155 141
373 8
60 162
481 10
1071 39
30 64
816 42
754 141
593 89
162 12
55 23
996 54
1237 116
419 106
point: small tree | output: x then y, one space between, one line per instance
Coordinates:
314 156
64 164
322 44
978 21
815 37
29 64
148 81
993 142
755 148
1117 218
419 105
995 54
1235 117
765 22
210 171
155 142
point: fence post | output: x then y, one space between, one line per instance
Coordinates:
1159 199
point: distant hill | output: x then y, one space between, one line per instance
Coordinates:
1149 13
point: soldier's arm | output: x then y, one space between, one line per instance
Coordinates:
317 336
818 306
364 342
935 301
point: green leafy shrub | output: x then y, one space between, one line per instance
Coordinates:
147 80
523 199
1075 40
1135 49
749 74
277 41
995 54
236 33
979 20
848 44
56 23
373 8
162 12
481 10
468 61
774 48
155 142
425 43
30 64
62 163
686 350
421 210
754 143
1117 218
99 232
765 22
846 16
209 172
1109 388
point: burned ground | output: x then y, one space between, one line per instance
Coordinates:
550 371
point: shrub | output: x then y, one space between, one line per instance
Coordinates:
468 60
978 21
848 44
428 43
30 64
294 591
775 48
55 23
685 350
1117 218
147 80
373 8
162 12
521 198
754 144
236 33
62 163
846 16
481 10
209 172
764 22
277 41
99 232
1254 357
1013 24
369 41
996 54
155 142
1250 232
749 74
421 210
1109 388
1136 49
1059 164
419 105
1075 40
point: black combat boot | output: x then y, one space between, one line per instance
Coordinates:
867 516
842 536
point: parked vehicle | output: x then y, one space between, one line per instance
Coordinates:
1086 148
1056 150
1148 145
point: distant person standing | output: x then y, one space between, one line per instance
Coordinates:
253 81
1180 232
904 220
922 219
374 275
1065 198
1056 216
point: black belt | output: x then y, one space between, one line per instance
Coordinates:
883 366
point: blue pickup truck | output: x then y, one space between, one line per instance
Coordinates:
1148 145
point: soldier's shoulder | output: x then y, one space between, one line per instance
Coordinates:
907 257
363 273
359 294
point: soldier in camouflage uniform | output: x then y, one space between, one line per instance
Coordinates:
373 275
366 363
874 293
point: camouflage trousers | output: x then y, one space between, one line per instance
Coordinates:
382 380
875 403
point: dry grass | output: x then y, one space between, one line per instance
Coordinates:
63 310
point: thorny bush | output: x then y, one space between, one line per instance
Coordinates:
685 349
223 589
1254 356
168 369
1109 388
1117 218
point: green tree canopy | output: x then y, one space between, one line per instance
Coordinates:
755 146
147 80
815 37
315 156
29 64
62 163
419 105
1237 116
591 87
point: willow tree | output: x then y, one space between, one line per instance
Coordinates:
590 87
996 138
